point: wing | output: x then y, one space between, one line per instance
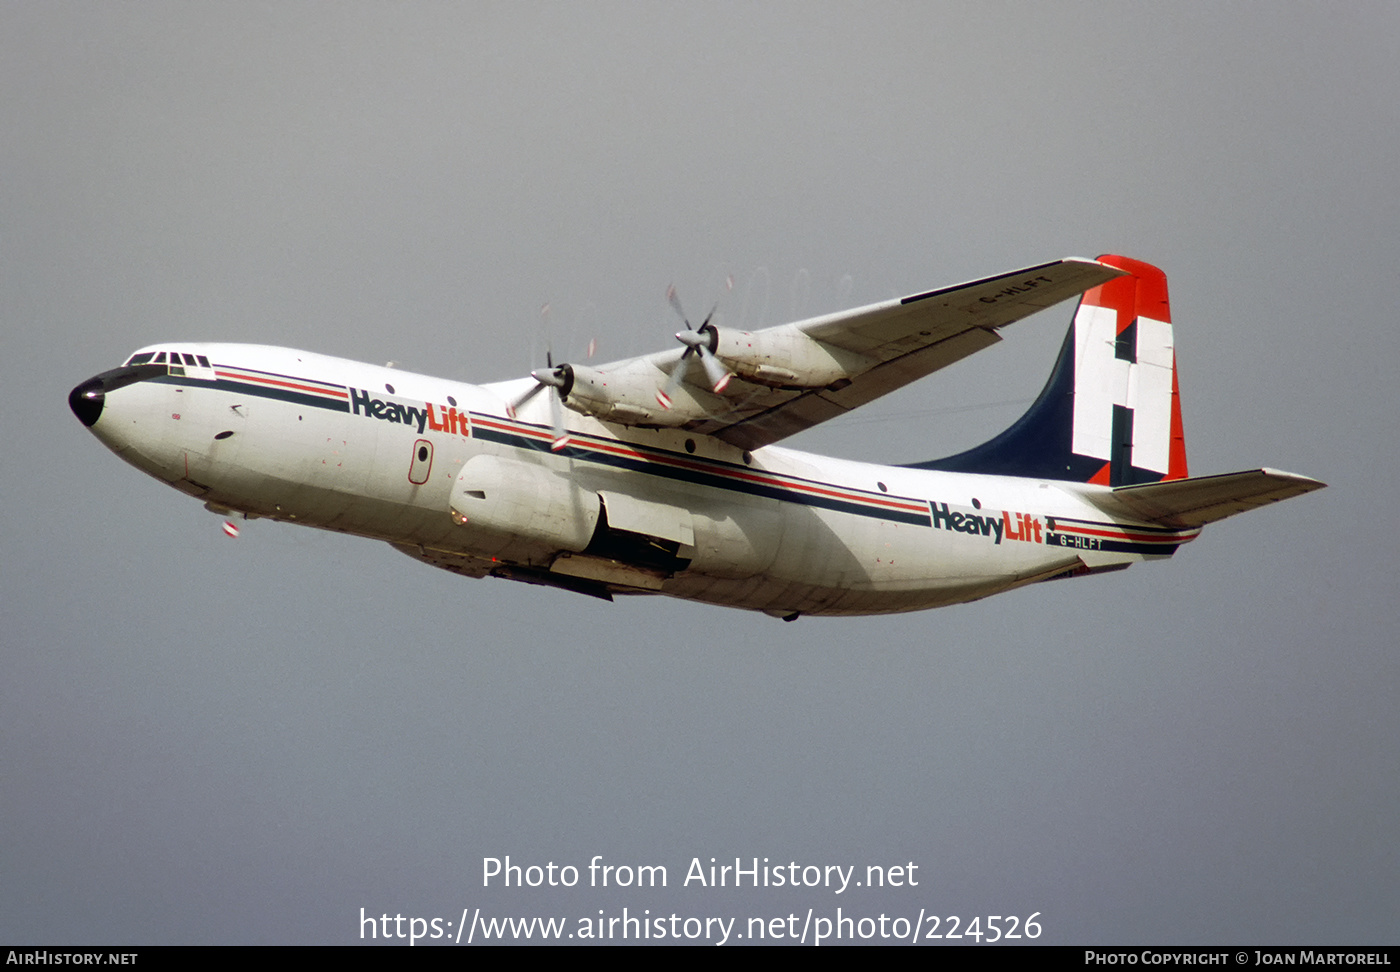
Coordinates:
908 338
789 378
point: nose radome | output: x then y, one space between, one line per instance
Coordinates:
86 401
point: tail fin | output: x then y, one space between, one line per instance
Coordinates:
1110 413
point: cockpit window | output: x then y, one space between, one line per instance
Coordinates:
178 361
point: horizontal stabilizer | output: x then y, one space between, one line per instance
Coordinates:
1203 499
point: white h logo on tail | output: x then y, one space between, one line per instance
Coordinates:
1102 380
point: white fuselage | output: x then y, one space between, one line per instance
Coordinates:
441 471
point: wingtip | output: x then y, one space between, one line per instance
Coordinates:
1306 483
1101 263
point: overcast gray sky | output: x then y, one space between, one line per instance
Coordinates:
205 740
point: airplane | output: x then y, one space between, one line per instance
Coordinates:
661 474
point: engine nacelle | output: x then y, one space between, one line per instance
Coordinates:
503 504
784 357
627 399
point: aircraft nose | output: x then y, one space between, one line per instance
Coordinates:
86 401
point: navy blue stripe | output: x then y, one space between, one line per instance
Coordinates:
260 391
1103 525
701 478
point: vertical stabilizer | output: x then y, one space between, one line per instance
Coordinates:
1110 413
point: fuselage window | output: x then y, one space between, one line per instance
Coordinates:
422 462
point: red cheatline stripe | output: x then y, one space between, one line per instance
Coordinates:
260 379
518 430
757 478
1125 535
695 466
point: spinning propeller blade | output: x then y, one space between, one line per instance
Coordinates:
698 343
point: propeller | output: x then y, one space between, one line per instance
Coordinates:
699 343
559 380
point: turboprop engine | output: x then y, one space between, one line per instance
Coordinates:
626 398
783 357
698 386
